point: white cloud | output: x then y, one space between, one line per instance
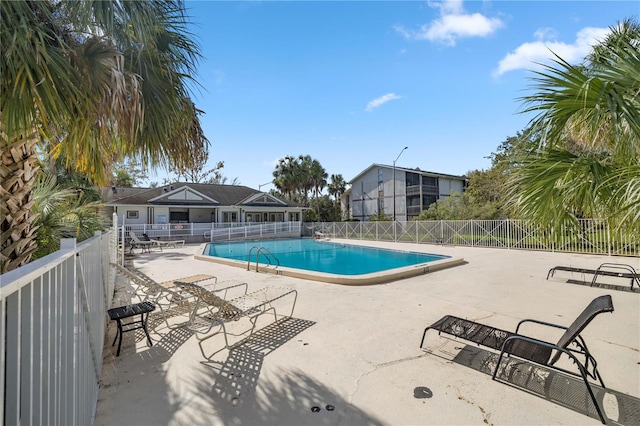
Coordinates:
531 54
447 6
545 34
452 25
381 100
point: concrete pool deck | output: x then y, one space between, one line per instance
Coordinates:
353 351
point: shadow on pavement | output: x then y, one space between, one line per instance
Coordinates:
556 387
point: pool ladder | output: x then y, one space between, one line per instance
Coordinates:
267 255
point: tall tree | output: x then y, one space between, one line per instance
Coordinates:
337 186
284 175
127 173
97 81
587 126
318 177
304 177
297 177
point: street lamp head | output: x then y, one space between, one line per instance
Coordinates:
394 161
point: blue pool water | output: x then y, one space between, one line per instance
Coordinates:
323 256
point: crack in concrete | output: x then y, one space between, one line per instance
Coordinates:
485 415
622 346
376 367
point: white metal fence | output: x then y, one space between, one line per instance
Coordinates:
215 231
52 330
589 236
256 231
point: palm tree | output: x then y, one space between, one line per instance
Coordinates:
587 125
63 212
97 81
318 177
337 186
285 176
305 178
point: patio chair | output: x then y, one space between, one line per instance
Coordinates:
161 243
136 242
535 350
170 301
213 310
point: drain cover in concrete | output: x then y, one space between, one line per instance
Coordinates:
422 392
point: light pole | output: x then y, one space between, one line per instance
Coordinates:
394 183
263 184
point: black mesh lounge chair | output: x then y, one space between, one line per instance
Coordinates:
531 349
616 270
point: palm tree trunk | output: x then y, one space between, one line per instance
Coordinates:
18 171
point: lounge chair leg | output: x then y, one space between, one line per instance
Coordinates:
591 394
423 336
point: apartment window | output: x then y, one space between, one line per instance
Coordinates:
429 180
412 179
427 200
133 214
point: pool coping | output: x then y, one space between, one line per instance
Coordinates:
379 277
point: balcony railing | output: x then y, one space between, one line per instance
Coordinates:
426 190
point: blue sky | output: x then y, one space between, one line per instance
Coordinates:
352 83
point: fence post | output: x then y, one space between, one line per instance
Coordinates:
608 237
68 407
115 253
123 241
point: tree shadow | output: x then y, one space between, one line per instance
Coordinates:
126 380
233 390
557 387
294 398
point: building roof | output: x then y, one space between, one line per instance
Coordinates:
193 194
408 170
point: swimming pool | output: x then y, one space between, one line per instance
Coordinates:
327 261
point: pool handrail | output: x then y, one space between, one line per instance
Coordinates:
261 250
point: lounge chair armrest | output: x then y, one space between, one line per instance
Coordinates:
226 288
539 322
532 340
